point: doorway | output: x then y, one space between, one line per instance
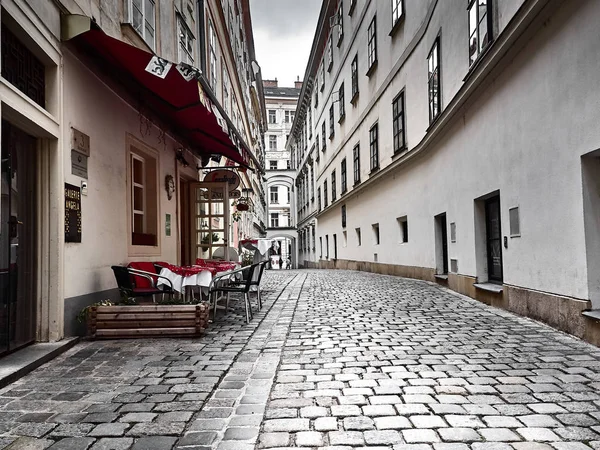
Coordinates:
493 235
210 221
441 241
18 217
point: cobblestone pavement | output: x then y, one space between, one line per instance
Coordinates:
336 360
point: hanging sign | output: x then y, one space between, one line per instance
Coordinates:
159 67
72 213
188 72
223 176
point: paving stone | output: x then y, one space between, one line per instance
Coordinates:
353 438
538 434
459 434
240 434
429 421
154 443
288 425
75 443
358 423
499 435
270 440
385 437
113 444
416 436
326 424
109 429
309 439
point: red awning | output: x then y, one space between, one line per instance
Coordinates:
172 99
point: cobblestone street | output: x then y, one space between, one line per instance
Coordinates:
335 360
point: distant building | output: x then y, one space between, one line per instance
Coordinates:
457 142
280 104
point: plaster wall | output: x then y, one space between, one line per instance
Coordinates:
91 107
513 139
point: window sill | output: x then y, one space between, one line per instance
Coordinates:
372 68
489 287
341 119
331 136
442 276
356 183
352 6
592 314
433 121
374 171
399 152
329 67
354 98
397 25
477 62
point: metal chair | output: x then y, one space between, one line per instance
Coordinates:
219 285
126 277
254 280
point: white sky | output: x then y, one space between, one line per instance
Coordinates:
283 34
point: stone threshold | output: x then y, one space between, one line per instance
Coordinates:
490 287
18 364
592 314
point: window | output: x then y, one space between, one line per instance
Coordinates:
398 123
142 15
274 220
212 44
273 164
322 76
316 98
453 231
329 54
397 11
345 237
335 246
374 147
143 172
273 116
333 187
356 158
317 142
354 69
351 7
340 22
274 194
344 217
433 62
325 201
327 246
331 127
313 237
323 136
226 85
493 235
320 247
343 176
341 102
186 43
319 198
288 191
288 164
375 228
372 45
480 27
272 142
515 226
289 116
358 237
403 229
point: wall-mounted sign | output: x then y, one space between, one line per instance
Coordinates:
72 213
81 142
222 176
218 195
79 164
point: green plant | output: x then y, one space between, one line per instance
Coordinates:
213 236
247 258
82 316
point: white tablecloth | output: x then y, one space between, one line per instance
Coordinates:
201 279
262 245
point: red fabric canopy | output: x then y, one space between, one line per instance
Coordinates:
173 99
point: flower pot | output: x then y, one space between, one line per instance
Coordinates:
242 207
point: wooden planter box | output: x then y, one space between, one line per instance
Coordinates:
111 322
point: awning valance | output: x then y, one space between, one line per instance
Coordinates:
171 92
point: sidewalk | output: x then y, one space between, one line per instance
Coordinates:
335 359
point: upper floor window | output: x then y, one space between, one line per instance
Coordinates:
356 160
272 164
272 142
372 45
340 22
351 7
274 220
329 54
212 49
319 198
325 201
434 87
323 136
354 69
341 102
274 191
374 147
289 116
316 98
343 176
186 43
333 187
398 123
272 116
331 119
322 76
142 14
480 27
397 11
343 216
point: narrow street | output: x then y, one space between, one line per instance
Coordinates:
335 360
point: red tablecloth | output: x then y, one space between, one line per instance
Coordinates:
221 266
187 271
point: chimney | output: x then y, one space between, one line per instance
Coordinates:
270 83
298 83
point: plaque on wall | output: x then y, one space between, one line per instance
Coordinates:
72 213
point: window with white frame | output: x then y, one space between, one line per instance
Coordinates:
333 187
274 194
372 44
374 147
226 88
322 76
274 220
331 124
325 201
329 54
289 116
343 176
186 42
142 177
273 164
142 16
272 142
272 116
212 49
354 69
480 27
398 123
434 83
356 160
340 22
341 102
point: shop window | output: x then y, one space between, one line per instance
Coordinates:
143 182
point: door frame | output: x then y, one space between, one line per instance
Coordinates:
488 204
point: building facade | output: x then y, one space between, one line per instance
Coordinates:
280 104
98 169
456 142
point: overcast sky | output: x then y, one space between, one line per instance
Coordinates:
283 34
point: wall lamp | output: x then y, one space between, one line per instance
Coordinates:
179 157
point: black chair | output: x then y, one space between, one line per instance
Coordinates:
226 283
254 280
126 276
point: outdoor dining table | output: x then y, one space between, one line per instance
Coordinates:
260 247
199 275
